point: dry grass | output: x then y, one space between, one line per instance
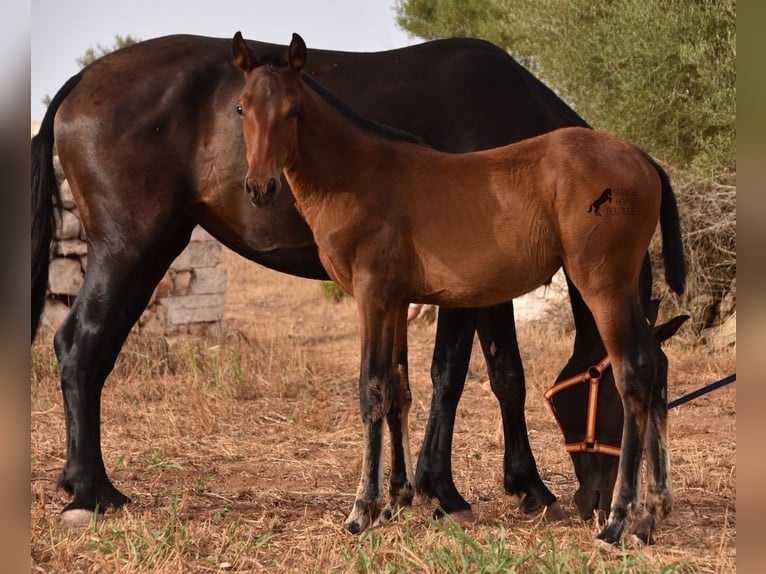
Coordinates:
243 455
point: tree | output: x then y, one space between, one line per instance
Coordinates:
660 74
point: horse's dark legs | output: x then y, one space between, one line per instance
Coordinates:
449 367
115 291
497 334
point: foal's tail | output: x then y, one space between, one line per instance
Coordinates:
670 227
46 202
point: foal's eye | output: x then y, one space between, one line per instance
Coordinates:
240 111
294 111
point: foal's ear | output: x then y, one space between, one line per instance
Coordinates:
296 53
243 57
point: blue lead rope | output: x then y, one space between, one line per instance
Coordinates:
699 392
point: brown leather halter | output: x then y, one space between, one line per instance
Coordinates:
592 376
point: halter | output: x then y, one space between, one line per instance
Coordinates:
592 375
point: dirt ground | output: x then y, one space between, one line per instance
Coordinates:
260 433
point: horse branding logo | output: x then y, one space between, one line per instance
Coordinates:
605 196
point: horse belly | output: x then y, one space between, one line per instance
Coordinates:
483 280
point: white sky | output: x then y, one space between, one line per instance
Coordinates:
63 30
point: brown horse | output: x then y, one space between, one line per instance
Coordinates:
482 228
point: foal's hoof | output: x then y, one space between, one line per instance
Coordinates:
643 532
361 515
387 515
355 527
611 533
77 517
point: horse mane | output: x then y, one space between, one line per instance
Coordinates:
358 119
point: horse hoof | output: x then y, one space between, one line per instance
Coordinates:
611 533
77 517
555 512
354 527
385 517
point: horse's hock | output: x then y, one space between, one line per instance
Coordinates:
189 299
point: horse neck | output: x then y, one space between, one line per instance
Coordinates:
331 151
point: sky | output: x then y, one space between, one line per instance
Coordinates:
62 31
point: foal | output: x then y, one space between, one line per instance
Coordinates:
396 221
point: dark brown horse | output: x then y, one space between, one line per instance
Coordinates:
397 221
150 148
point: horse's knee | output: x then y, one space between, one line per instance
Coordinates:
508 384
374 399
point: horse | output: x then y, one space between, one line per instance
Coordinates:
593 392
148 161
398 221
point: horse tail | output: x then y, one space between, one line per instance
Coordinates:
46 201
670 227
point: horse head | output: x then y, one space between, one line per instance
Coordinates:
269 106
588 408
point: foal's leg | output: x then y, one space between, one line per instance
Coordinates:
375 394
400 489
452 351
634 354
659 501
497 333
116 289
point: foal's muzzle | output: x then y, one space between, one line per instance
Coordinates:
262 195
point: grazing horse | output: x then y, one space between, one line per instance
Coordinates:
593 441
148 160
396 221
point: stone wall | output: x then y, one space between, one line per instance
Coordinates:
189 299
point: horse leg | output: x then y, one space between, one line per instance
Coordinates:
452 351
659 500
400 489
634 353
375 396
116 289
497 334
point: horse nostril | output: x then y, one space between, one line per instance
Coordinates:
271 189
249 186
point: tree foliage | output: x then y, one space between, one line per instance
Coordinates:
660 74
657 73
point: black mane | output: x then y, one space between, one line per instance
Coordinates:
359 120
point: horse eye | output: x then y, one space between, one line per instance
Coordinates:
240 111
294 111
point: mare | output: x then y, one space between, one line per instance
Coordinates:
149 146
397 221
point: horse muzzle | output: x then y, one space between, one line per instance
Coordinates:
262 194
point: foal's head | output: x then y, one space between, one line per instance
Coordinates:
269 106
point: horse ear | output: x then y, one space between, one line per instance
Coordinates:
243 57
667 330
296 53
